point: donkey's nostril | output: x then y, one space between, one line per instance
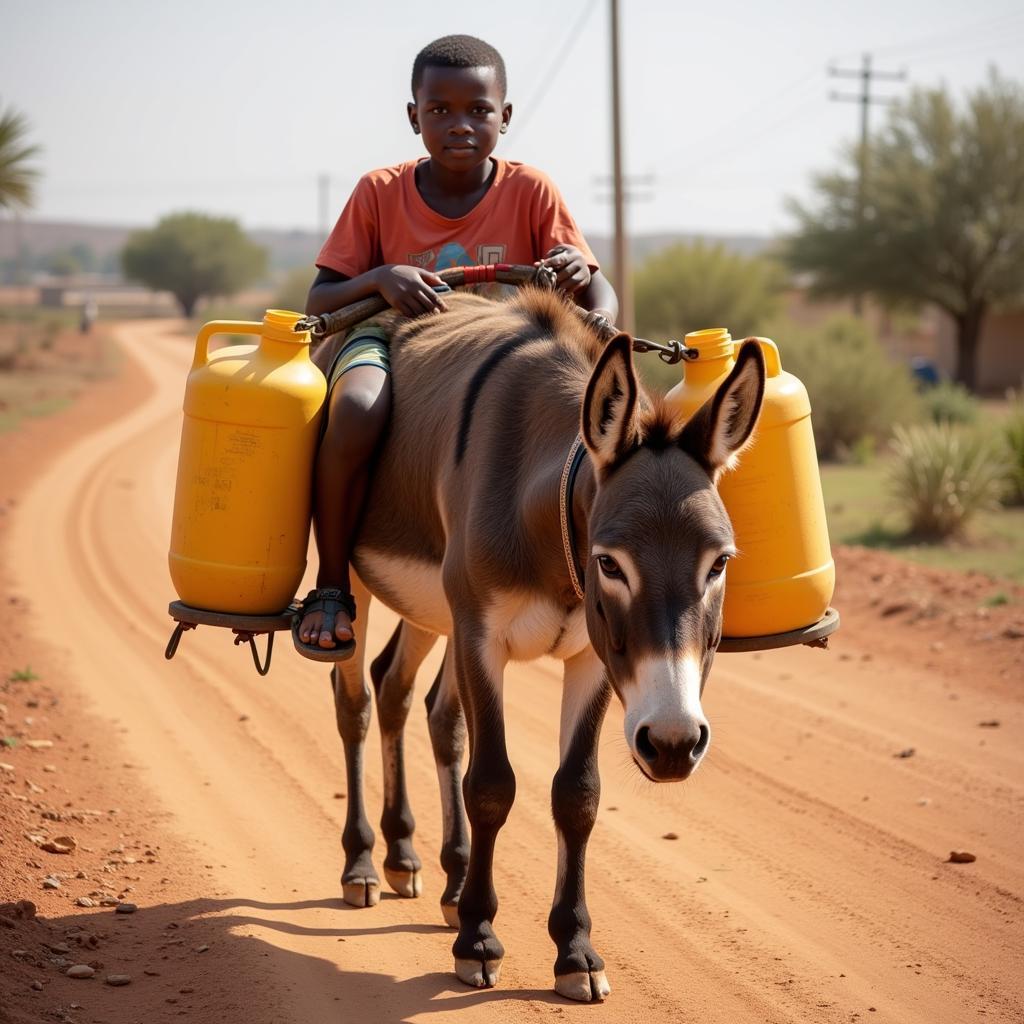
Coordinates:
702 743
645 748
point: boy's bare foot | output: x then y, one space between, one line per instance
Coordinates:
312 629
326 621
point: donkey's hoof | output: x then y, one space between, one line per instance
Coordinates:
478 974
406 883
583 986
451 914
361 892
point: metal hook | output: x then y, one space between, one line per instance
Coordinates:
172 644
243 637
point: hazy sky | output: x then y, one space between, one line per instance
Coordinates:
235 108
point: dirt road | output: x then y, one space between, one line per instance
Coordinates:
808 881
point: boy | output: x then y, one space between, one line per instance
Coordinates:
458 207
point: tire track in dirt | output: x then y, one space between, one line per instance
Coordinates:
788 896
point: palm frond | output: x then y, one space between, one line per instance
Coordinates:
18 175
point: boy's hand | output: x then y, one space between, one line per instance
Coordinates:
410 289
570 266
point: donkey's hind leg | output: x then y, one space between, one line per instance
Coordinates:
393 673
448 738
360 884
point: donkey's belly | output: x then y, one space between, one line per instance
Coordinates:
407 586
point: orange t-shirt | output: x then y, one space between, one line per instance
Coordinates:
521 216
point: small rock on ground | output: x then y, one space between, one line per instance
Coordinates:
125 908
118 980
961 857
80 971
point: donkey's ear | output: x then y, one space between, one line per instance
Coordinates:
720 428
610 425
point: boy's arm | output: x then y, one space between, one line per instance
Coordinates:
409 289
599 297
591 290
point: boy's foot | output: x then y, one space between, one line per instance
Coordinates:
324 631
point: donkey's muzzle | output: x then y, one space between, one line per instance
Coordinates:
670 756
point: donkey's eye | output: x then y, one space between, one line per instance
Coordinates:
718 567
610 567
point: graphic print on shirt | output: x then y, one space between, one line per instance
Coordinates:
423 260
488 254
452 255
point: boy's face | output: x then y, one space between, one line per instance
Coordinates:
460 112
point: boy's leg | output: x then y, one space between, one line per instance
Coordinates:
357 413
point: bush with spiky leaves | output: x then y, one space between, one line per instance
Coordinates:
1013 436
943 475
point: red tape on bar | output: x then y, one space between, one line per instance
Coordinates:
483 274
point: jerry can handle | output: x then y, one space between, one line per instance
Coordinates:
220 327
772 359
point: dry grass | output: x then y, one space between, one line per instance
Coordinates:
45 362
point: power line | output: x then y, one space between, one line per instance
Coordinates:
867 75
944 39
555 66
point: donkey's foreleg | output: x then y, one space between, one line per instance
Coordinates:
448 738
575 792
489 789
359 881
393 673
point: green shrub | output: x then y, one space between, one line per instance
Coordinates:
689 287
1013 437
942 475
858 394
950 403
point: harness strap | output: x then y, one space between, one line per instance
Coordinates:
565 491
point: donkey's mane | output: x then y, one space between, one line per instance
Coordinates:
660 424
556 315
533 311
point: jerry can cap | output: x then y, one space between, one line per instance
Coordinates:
711 343
279 324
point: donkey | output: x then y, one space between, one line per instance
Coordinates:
523 459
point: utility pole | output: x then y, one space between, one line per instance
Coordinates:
623 280
323 182
865 99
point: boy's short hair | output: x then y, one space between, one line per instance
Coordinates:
458 52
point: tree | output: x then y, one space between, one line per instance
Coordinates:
943 214
688 287
17 175
192 256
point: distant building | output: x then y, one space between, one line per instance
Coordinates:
931 335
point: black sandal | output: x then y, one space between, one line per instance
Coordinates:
329 600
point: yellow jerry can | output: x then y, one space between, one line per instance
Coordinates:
242 501
784 575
